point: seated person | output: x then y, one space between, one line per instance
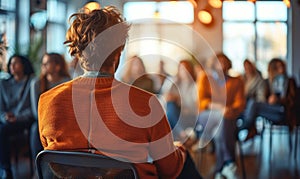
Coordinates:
54 71
221 101
97 113
280 94
180 95
254 92
15 107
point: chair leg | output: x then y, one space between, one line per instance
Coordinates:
270 144
290 142
242 159
296 143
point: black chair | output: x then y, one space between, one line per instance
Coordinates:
268 123
70 164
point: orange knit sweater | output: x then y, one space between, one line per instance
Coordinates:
113 118
231 94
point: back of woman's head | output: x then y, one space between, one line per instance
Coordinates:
85 27
58 59
27 66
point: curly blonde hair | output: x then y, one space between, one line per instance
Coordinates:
82 37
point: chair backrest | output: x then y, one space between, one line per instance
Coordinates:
70 164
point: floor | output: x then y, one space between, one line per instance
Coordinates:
259 164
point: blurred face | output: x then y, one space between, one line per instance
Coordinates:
48 66
280 68
16 67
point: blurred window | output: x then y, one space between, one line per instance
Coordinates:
56 25
171 11
257 31
7 28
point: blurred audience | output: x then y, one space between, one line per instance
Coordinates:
135 74
280 95
54 71
161 76
221 101
254 92
180 95
15 107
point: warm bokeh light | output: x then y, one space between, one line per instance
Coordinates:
205 17
156 14
215 3
252 1
287 3
194 3
90 6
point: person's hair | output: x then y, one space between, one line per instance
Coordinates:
189 67
84 29
58 59
215 60
127 75
250 64
272 67
227 61
28 69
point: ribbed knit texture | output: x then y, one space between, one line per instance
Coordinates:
89 113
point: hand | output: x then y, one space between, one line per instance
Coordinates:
10 117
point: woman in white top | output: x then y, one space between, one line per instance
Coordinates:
181 100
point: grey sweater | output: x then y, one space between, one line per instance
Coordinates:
15 98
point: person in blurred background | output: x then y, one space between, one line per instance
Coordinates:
135 74
180 95
221 101
254 92
280 95
54 71
15 107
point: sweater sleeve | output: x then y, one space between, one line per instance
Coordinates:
168 158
